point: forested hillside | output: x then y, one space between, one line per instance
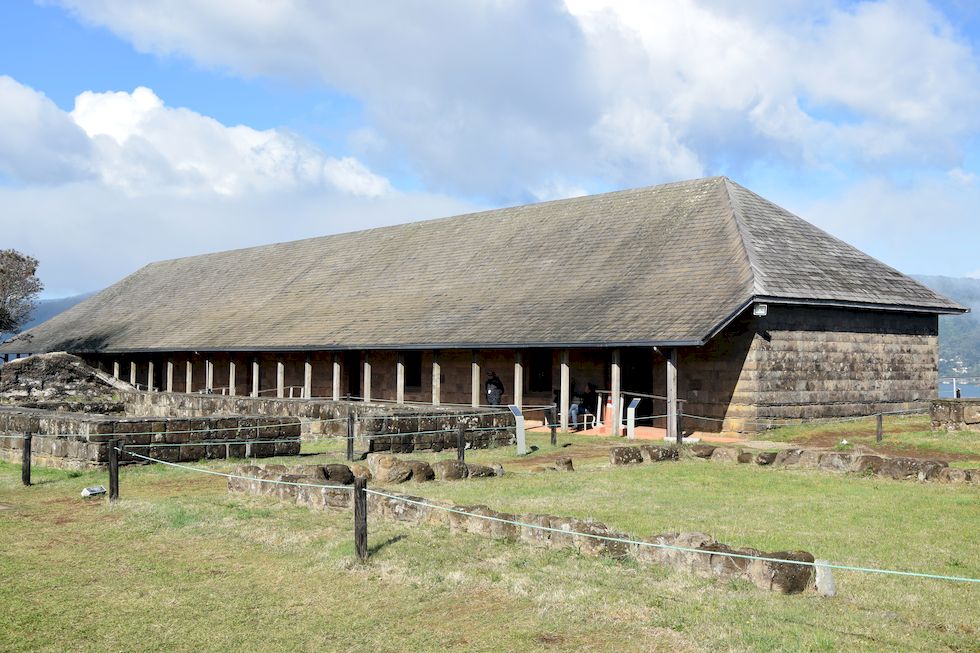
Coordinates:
959 335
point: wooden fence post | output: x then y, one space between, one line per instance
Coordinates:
350 437
360 518
879 427
25 466
680 429
553 418
113 471
461 443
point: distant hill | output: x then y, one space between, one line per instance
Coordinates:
48 308
959 335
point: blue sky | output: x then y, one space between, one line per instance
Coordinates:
131 132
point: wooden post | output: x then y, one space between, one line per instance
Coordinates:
879 427
335 378
400 378
113 471
564 392
350 436
132 373
616 390
255 377
149 376
170 375
189 377
519 379
308 378
553 419
25 466
360 518
232 377
115 369
461 443
436 379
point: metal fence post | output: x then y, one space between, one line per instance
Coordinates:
461 443
113 471
360 518
350 436
25 466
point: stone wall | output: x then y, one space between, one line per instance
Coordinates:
955 414
80 441
325 417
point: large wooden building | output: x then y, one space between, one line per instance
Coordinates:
700 291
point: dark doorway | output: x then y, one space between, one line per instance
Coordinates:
638 377
352 363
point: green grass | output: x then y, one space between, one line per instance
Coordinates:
905 435
181 565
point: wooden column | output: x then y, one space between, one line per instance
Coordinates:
132 373
336 377
400 378
475 381
615 388
149 376
366 378
436 379
189 377
672 433
519 379
115 369
565 391
280 378
255 377
308 378
208 375
232 381
170 375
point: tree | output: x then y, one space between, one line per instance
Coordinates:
19 287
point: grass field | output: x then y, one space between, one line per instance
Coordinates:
906 435
179 564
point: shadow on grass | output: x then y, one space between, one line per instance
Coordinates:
391 540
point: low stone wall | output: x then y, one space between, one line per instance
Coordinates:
955 414
569 532
433 426
833 461
80 441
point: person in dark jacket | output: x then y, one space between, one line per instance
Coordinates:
494 388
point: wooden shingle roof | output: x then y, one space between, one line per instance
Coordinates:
665 265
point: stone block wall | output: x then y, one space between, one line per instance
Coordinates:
80 441
955 414
801 363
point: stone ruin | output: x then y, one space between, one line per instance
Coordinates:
897 468
537 530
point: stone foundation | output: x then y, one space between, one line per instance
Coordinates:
568 532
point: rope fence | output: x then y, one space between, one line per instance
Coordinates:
360 490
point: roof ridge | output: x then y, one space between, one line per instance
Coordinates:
747 248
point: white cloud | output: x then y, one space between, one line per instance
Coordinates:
39 143
499 98
134 143
928 225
